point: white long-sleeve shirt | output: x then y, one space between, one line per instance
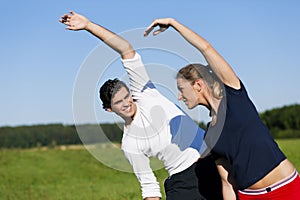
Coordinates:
159 129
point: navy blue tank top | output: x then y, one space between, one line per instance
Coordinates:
244 140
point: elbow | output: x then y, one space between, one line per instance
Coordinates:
206 47
127 52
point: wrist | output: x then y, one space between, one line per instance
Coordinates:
88 26
173 22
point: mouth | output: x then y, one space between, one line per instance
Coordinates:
128 108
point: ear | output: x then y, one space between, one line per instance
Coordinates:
108 109
198 85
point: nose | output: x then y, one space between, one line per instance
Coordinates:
179 96
126 102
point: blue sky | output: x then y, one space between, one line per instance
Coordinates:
40 59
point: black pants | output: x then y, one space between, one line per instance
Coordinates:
198 182
183 185
210 185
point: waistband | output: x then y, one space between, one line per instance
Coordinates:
272 187
189 170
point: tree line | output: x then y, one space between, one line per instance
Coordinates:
283 122
52 135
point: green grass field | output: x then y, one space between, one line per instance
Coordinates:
55 174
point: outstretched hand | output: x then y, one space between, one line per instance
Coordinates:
74 21
163 24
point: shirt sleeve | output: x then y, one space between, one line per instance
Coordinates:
138 77
141 167
186 133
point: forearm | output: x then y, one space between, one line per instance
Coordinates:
141 167
114 41
228 190
152 198
213 58
193 38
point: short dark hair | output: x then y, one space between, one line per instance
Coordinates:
108 91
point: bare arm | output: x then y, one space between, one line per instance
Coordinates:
78 22
152 198
228 189
213 58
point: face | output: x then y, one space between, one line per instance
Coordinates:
186 93
122 104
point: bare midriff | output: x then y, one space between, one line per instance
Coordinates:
283 170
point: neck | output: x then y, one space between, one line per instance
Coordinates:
214 106
128 121
212 103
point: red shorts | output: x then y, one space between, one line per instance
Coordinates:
288 189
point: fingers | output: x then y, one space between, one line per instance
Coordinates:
158 22
147 31
150 28
162 29
71 28
66 17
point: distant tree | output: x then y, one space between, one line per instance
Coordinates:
283 122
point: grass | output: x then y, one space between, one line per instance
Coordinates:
55 174
290 147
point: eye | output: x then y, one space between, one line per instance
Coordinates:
117 102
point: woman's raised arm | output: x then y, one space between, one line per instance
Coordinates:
213 58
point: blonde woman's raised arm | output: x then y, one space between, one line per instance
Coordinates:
213 58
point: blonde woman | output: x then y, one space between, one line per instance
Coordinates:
259 168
